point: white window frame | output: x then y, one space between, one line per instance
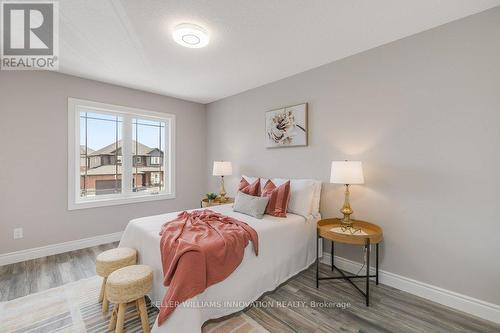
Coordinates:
127 196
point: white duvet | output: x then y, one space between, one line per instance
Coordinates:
286 247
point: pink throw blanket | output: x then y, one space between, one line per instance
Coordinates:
199 249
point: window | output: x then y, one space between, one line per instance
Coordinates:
109 149
155 160
155 177
100 141
148 138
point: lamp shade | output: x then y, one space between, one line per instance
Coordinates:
347 172
222 168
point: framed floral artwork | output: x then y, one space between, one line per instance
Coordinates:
287 127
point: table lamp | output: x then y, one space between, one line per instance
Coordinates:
222 168
347 173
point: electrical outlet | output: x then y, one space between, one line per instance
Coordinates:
18 233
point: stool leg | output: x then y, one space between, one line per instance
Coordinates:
101 295
121 317
112 321
144 314
105 303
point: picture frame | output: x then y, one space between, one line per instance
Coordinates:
287 126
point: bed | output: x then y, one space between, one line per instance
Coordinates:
286 247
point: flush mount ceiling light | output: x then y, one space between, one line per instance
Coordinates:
190 35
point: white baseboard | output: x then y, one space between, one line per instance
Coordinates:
44 251
473 306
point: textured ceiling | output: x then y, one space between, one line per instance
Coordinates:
253 42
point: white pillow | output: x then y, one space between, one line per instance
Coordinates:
316 197
301 195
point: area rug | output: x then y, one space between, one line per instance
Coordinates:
74 308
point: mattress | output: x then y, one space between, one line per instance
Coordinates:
286 247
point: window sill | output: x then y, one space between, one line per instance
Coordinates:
104 202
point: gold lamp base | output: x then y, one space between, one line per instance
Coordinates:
346 210
222 193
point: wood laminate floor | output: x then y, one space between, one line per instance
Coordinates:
296 306
28 277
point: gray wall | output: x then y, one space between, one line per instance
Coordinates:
33 158
423 114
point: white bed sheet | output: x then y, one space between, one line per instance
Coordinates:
286 247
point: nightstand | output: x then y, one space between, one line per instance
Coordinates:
204 202
370 234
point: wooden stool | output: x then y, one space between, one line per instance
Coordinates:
108 262
128 286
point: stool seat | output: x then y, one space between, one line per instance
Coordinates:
129 283
109 261
126 286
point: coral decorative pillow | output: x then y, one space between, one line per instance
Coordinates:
278 198
251 179
250 189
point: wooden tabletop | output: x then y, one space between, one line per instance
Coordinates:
374 232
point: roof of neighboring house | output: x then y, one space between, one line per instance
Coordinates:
111 169
110 149
82 150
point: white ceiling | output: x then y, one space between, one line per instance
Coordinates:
253 42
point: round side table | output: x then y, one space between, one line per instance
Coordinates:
370 234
